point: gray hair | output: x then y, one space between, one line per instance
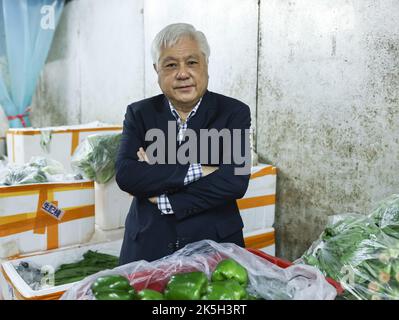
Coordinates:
172 33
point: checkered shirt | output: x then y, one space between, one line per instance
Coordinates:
194 171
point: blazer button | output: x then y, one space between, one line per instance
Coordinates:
168 210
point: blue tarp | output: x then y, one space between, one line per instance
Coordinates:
26 31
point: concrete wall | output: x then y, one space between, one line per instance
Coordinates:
231 27
328 110
96 64
100 59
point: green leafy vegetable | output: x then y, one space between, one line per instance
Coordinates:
361 252
95 157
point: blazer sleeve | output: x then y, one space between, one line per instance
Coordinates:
138 178
219 187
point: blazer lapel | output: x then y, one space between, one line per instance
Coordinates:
205 114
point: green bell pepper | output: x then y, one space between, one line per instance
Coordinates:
225 290
230 269
113 287
186 286
149 294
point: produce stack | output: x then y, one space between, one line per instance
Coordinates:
49 274
57 143
40 205
95 160
44 206
205 270
361 252
229 281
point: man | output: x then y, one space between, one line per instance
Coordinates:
174 203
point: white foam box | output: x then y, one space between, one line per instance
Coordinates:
263 240
112 205
26 228
101 235
24 143
15 288
257 207
3 146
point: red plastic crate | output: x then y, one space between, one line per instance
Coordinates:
285 264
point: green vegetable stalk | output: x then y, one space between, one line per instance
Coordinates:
92 263
95 157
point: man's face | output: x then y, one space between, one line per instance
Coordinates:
183 73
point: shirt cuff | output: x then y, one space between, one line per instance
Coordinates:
164 205
194 173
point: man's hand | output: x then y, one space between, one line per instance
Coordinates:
208 170
142 155
153 200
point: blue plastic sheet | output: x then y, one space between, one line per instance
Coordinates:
26 31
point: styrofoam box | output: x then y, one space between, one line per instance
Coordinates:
3 147
101 235
259 211
15 288
112 205
263 240
24 143
20 211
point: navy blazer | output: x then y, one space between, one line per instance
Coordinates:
204 209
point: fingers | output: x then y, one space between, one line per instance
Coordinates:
153 200
142 155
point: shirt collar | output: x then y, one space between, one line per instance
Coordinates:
176 114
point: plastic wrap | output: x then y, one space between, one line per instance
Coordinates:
266 280
45 140
37 170
95 157
386 215
361 252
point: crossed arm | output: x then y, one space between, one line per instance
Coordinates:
205 170
216 186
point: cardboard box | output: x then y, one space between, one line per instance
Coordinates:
25 227
15 288
24 143
112 205
257 207
263 240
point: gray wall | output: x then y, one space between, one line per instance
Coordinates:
328 110
229 24
96 64
327 102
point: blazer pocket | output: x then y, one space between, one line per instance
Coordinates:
229 226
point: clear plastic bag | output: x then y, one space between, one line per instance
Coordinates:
386 215
361 252
95 157
266 280
37 170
